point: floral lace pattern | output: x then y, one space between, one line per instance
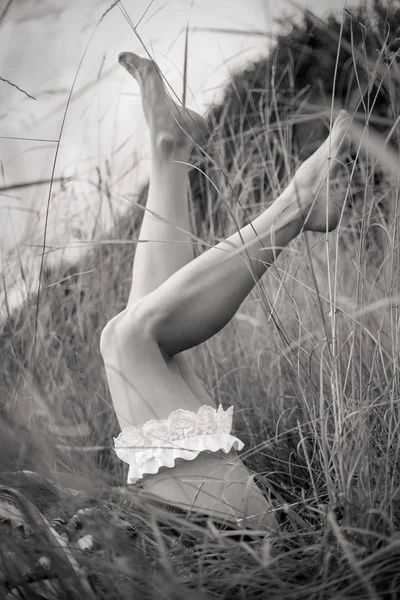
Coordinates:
183 435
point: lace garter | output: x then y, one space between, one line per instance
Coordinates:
158 443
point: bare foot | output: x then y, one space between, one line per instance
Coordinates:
309 182
171 125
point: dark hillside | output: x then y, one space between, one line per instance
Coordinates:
284 100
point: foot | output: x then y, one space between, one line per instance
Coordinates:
171 125
321 210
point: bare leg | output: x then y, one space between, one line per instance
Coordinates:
173 132
139 346
171 141
201 298
143 383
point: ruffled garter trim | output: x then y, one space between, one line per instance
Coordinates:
184 435
163 457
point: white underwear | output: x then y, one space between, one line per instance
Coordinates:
183 435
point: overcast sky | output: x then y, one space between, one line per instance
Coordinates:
41 46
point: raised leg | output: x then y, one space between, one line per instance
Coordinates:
172 134
144 384
202 297
163 246
166 316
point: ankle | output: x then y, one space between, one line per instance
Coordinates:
166 152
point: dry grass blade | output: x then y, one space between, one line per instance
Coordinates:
26 184
26 139
8 82
185 66
227 31
5 10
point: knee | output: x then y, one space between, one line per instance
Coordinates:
108 335
128 328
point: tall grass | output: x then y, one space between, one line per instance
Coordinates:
310 362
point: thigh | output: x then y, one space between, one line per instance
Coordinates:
144 383
215 483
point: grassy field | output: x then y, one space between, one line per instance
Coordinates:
310 362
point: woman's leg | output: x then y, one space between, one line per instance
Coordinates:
140 344
201 298
167 219
143 383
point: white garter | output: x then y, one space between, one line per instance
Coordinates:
183 435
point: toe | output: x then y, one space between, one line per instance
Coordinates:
340 132
126 58
132 62
343 114
342 121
